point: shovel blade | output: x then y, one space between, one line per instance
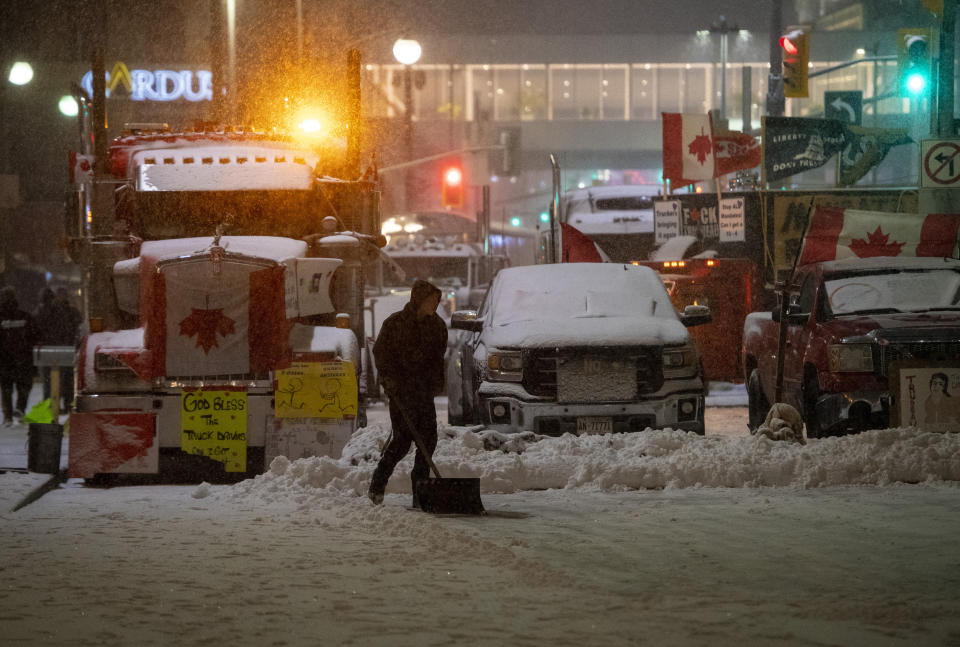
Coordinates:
450 495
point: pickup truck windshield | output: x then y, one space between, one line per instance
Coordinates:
897 291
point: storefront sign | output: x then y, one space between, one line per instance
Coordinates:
155 85
214 424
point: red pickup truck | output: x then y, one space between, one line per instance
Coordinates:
850 320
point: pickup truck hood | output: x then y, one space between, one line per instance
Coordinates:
939 325
588 331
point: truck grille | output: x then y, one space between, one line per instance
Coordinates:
541 367
933 349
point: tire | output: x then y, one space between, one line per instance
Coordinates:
811 393
757 404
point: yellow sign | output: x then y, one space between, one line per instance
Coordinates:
214 424
316 390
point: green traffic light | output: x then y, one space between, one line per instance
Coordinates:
514 222
916 83
544 216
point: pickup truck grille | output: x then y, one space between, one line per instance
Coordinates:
917 350
541 366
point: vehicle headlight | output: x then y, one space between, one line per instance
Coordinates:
850 358
680 357
505 365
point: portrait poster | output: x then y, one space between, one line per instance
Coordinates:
925 395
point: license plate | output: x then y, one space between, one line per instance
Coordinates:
595 425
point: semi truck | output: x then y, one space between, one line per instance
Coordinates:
230 332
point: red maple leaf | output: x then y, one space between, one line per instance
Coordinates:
205 324
876 245
701 146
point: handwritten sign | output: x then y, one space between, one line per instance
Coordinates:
316 390
732 220
666 220
213 423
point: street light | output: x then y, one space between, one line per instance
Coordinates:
723 28
407 52
21 73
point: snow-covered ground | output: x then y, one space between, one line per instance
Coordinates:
660 538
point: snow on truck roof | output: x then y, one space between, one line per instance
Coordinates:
269 247
229 166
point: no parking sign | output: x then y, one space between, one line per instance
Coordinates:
940 163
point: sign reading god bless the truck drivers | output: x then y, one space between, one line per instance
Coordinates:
213 423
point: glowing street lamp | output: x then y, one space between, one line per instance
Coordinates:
407 52
21 73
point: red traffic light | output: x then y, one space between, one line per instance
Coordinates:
453 176
788 45
452 188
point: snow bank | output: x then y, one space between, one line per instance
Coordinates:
652 459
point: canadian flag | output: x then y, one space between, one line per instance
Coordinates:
688 147
835 234
735 150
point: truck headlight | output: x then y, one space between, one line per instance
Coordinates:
505 365
679 357
850 358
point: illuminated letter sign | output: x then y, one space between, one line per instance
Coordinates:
156 85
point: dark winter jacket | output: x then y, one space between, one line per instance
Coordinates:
18 335
409 351
58 322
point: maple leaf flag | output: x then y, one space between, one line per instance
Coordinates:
688 147
835 234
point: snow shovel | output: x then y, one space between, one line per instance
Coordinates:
439 495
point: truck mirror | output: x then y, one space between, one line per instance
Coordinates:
696 316
466 320
307 286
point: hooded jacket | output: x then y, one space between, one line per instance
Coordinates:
409 351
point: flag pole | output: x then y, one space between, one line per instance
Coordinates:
763 152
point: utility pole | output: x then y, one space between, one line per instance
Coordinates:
775 99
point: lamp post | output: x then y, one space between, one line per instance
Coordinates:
723 28
407 52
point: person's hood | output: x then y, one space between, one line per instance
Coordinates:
421 291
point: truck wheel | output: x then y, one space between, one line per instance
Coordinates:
811 393
757 404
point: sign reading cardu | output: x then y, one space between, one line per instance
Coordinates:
732 220
666 220
213 423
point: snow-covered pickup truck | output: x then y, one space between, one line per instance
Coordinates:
850 321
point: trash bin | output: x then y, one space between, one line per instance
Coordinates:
43 447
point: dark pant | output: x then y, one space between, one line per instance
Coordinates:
424 417
23 382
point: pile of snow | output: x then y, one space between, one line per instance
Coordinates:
653 459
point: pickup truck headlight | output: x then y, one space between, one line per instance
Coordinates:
679 357
850 358
505 365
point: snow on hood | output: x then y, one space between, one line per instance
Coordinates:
663 459
593 304
605 331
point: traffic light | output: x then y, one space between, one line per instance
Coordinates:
796 60
913 61
452 187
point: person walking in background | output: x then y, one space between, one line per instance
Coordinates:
409 357
18 334
58 323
